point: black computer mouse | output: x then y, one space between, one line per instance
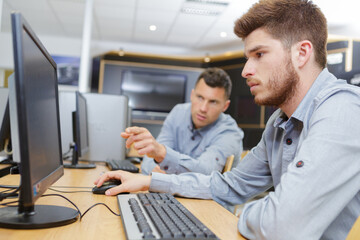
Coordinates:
106 185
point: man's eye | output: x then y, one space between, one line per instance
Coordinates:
259 54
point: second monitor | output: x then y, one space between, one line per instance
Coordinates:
80 144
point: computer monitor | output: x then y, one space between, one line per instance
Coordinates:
80 143
5 141
35 132
151 91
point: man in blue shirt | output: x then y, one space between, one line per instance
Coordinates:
196 136
310 148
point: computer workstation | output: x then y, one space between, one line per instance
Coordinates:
80 143
104 117
36 140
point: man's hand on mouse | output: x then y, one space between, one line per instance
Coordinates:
130 182
144 143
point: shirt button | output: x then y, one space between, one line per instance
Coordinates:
300 164
289 141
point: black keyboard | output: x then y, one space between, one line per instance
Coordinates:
124 165
159 216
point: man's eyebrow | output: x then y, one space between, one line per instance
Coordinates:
254 49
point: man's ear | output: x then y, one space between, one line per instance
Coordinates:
303 53
227 104
192 94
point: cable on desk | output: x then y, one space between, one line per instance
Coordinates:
61 191
9 186
82 215
5 194
58 195
96 204
8 204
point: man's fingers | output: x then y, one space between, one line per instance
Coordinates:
125 135
115 190
106 177
134 130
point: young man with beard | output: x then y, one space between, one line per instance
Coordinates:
310 148
196 136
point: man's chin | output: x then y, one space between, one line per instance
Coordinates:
200 124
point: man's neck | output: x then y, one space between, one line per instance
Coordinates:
306 80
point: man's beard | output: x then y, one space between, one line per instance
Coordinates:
282 86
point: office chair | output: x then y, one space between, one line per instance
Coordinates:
228 164
355 231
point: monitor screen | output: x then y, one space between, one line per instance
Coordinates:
80 144
35 131
151 91
82 133
4 120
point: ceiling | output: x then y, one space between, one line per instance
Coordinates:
196 25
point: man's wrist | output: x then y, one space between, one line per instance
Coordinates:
161 154
147 182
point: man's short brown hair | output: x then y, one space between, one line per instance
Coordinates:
289 21
216 77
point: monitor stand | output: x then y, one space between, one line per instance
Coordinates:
44 216
75 161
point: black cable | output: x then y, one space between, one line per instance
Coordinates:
78 210
57 186
8 204
9 186
61 191
64 155
4 195
96 204
58 195
6 190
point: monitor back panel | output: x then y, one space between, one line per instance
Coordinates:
107 118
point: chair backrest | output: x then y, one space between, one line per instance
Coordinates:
243 154
355 231
229 163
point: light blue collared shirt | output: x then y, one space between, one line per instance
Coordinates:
196 150
313 161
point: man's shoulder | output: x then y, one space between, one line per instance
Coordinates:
179 111
226 122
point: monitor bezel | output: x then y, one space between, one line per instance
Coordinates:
27 196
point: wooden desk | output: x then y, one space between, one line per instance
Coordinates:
99 223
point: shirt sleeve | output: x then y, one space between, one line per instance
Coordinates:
224 144
323 178
193 185
147 165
